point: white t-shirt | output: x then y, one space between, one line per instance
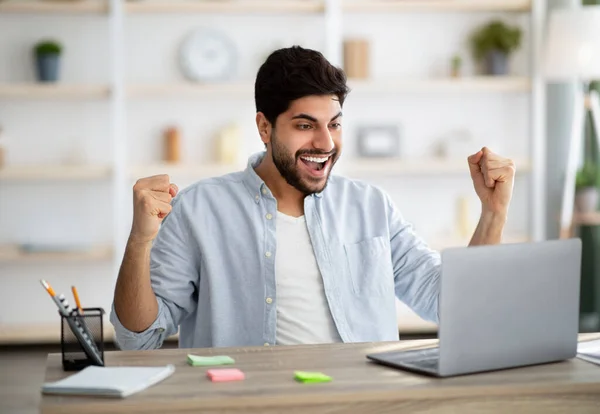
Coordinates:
303 315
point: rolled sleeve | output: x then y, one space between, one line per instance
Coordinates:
417 268
152 338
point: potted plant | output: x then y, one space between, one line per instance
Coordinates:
492 45
586 186
456 64
47 56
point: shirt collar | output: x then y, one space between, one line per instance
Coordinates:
255 185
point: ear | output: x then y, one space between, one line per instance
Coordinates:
264 127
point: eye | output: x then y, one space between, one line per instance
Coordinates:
337 125
304 126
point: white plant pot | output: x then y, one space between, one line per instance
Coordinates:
586 199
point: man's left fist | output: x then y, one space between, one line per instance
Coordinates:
493 178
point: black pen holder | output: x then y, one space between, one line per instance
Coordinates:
82 339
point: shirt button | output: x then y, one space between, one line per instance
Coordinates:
264 191
269 300
257 197
269 216
268 254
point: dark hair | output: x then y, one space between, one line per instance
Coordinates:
293 73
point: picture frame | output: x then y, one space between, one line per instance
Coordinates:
379 141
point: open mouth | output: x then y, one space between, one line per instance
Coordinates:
317 165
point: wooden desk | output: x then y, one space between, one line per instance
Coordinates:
358 386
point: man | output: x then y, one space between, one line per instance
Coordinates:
284 253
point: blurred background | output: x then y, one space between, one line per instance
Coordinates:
95 94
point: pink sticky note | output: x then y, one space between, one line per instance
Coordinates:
225 374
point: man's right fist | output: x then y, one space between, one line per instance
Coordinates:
151 204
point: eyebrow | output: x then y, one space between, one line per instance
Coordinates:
312 118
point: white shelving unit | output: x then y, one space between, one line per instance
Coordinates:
121 92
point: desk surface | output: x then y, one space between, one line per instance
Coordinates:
358 385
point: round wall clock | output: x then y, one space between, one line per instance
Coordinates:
207 55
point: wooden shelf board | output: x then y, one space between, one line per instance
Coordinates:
416 327
54 172
56 6
52 91
410 323
189 89
13 254
47 333
445 243
587 219
434 85
227 6
183 170
471 84
396 166
40 333
351 167
386 6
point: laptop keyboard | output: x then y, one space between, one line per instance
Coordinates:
425 363
426 358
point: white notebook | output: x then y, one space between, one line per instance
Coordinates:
109 381
589 351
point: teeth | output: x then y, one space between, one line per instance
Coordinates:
315 159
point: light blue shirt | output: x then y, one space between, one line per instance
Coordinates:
212 264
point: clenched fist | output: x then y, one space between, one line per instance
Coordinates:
151 204
493 179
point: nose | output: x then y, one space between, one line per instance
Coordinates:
323 141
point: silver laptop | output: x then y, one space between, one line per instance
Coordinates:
502 306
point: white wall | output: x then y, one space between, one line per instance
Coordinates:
414 45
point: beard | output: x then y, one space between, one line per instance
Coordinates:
287 165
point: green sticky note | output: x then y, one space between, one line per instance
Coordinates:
311 377
204 361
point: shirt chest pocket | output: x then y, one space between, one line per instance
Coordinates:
370 267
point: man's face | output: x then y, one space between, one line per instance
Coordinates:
306 142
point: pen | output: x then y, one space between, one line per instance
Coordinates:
76 296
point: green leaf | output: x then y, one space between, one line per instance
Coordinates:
48 47
587 176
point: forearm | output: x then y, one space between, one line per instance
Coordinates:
135 302
489 229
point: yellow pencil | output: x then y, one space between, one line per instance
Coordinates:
76 296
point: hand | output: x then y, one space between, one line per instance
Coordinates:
493 179
151 204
